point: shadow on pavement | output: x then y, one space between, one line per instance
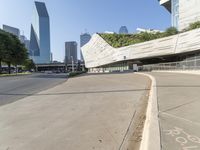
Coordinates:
56 76
76 93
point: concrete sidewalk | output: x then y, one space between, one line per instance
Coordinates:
179 110
84 113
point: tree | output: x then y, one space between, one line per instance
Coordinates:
7 43
2 47
14 51
19 55
29 64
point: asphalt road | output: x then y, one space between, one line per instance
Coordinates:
179 110
18 87
93 112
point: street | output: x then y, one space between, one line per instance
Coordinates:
15 88
85 113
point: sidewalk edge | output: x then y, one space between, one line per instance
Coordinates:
151 131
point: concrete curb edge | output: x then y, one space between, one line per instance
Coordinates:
151 132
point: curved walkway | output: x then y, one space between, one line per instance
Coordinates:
179 110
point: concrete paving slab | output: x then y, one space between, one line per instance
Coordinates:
88 112
179 113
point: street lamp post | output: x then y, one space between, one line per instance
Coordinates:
72 63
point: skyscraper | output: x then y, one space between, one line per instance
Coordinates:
183 12
70 52
25 41
16 32
40 34
123 30
84 39
12 30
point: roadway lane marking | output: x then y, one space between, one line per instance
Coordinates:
184 139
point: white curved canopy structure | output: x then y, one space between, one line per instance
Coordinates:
97 52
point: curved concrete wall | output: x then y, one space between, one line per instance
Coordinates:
97 52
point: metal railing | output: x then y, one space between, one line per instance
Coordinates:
193 64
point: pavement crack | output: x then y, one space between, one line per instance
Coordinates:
173 108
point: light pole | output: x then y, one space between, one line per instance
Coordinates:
72 63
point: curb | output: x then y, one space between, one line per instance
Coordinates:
151 132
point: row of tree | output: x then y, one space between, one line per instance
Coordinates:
12 51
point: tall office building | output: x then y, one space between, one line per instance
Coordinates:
12 30
71 52
16 32
123 30
40 34
84 39
25 41
183 12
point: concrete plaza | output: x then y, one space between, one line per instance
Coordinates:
84 113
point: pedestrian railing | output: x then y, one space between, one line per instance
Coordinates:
180 65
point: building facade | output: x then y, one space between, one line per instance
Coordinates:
123 30
25 41
179 49
101 57
183 12
16 32
84 39
40 34
12 30
71 52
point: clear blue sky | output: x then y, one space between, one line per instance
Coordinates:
70 18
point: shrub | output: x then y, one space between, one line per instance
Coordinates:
194 25
120 40
171 31
73 74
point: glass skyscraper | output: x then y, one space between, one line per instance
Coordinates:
183 12
175 13
70 52
12 30
40 35
123 30
84 39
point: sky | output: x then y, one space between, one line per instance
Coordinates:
70 18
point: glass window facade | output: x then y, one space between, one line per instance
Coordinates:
175 13
39 47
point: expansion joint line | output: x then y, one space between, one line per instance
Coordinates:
124 138
176 43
